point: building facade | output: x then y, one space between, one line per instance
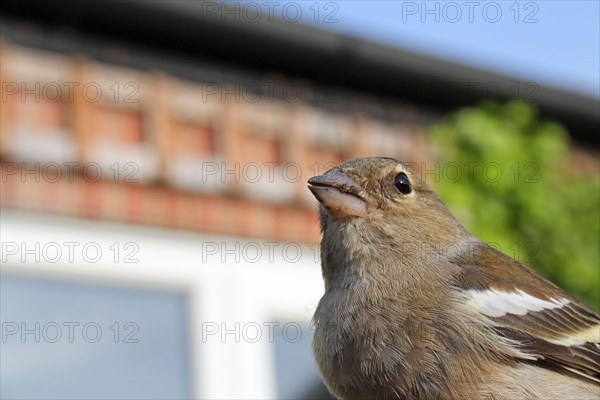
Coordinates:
173 211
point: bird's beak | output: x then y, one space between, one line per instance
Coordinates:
338 194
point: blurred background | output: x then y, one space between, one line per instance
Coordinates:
158 240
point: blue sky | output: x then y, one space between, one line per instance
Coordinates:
554 43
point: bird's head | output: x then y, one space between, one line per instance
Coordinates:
382 196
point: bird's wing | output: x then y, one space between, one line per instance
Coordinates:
542 321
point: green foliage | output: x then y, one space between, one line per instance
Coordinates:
515 189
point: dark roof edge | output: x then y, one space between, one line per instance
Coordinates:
203 30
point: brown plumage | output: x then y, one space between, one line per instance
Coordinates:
417 308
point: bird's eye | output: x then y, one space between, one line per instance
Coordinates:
402 183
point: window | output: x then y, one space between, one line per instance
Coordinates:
297 376
75 341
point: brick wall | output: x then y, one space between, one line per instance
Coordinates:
88 139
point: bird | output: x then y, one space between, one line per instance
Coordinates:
415 307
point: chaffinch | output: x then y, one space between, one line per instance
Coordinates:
415 307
